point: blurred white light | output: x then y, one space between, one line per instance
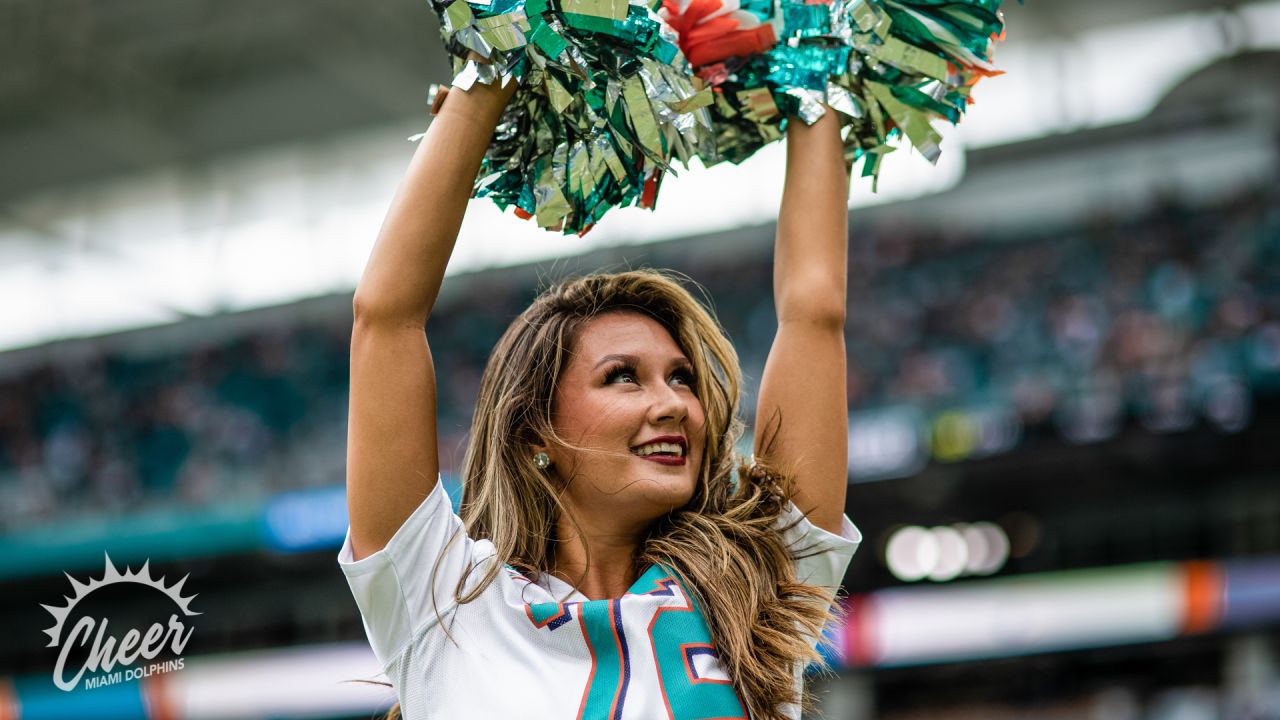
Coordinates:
988 548
912 553
953 554
946 552
979 547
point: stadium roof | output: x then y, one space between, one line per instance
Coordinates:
167 160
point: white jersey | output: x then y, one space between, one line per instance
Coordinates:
528 650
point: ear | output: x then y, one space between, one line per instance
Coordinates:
539 447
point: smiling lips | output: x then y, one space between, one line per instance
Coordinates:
665 450
664 459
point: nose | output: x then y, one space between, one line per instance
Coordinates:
668 405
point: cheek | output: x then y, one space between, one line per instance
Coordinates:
596 421
698 418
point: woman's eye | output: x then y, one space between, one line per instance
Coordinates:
620 373
684 376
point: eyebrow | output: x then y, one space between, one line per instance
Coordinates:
634 360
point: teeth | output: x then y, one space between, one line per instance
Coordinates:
652 448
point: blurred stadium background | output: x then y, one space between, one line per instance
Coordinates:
1064 353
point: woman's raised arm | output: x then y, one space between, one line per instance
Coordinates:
392 456
804 378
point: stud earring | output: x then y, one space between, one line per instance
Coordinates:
542 460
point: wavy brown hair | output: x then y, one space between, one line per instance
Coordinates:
724 543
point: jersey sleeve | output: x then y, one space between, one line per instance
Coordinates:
821 557
411 583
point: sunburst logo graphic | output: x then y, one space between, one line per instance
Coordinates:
107 651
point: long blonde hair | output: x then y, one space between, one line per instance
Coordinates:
724 543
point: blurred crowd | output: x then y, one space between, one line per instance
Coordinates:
1169 318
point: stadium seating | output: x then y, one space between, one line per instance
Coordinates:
1167 318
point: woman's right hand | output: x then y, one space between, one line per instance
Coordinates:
488 100
502 96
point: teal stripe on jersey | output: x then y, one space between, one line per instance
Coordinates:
681 642
550 615
611 672
648 582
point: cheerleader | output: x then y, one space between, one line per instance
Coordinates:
612 558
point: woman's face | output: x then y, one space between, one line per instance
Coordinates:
626 386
